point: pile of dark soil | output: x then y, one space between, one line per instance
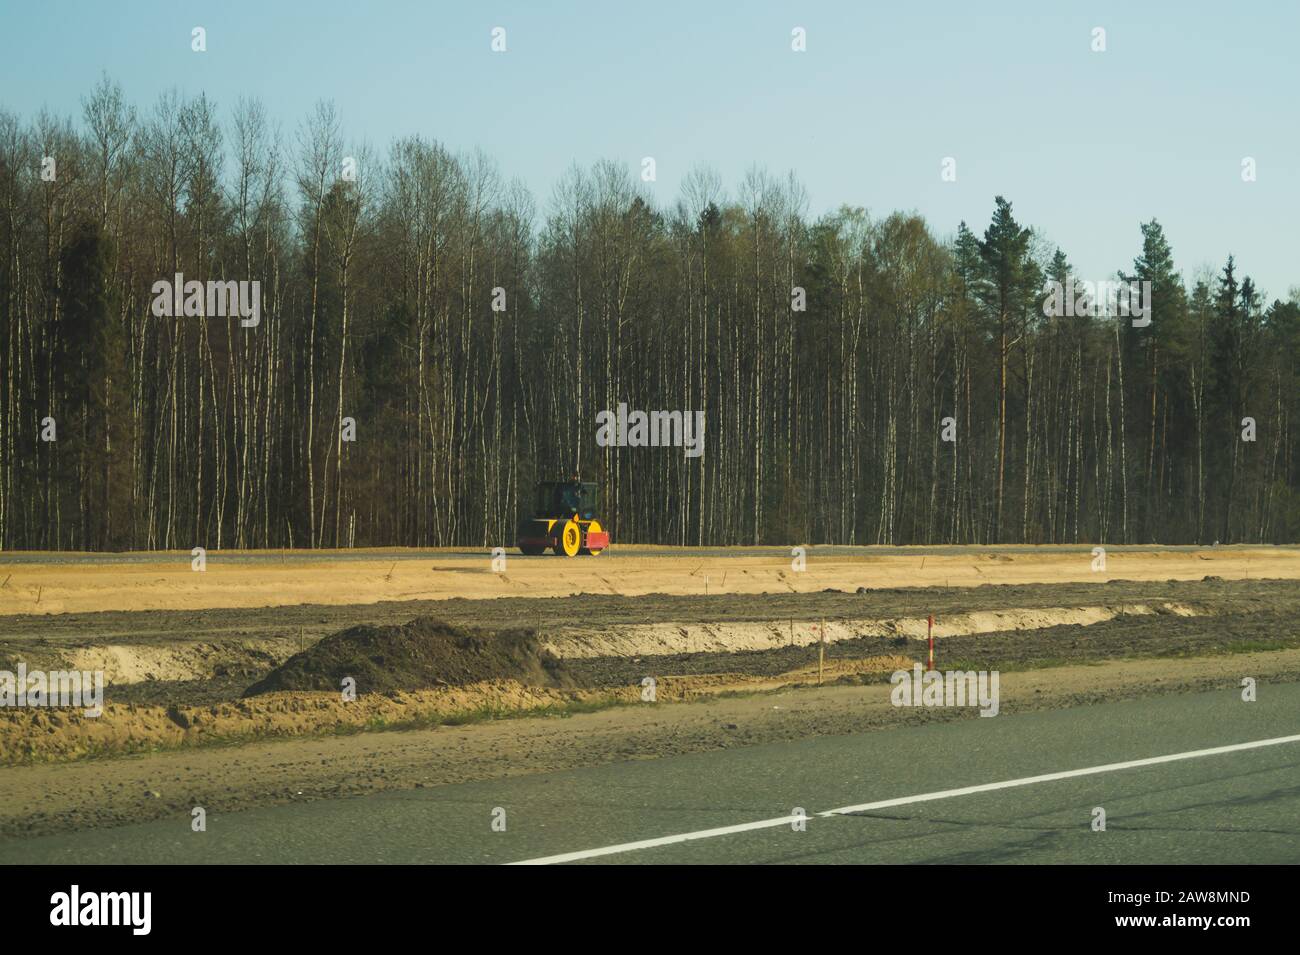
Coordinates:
417 655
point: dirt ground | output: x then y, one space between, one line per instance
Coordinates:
49 584
195 657
180 679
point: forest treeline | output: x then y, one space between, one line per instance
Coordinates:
383 278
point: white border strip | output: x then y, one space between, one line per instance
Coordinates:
904 801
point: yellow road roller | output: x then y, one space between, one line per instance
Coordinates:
564 520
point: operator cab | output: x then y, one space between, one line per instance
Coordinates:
566 498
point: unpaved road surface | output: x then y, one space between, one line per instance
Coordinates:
57 584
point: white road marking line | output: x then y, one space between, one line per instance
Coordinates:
903 801
1068 774
661 841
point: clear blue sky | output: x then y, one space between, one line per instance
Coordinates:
1084 144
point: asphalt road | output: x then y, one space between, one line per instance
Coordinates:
1238 806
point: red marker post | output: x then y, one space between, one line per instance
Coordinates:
929 629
